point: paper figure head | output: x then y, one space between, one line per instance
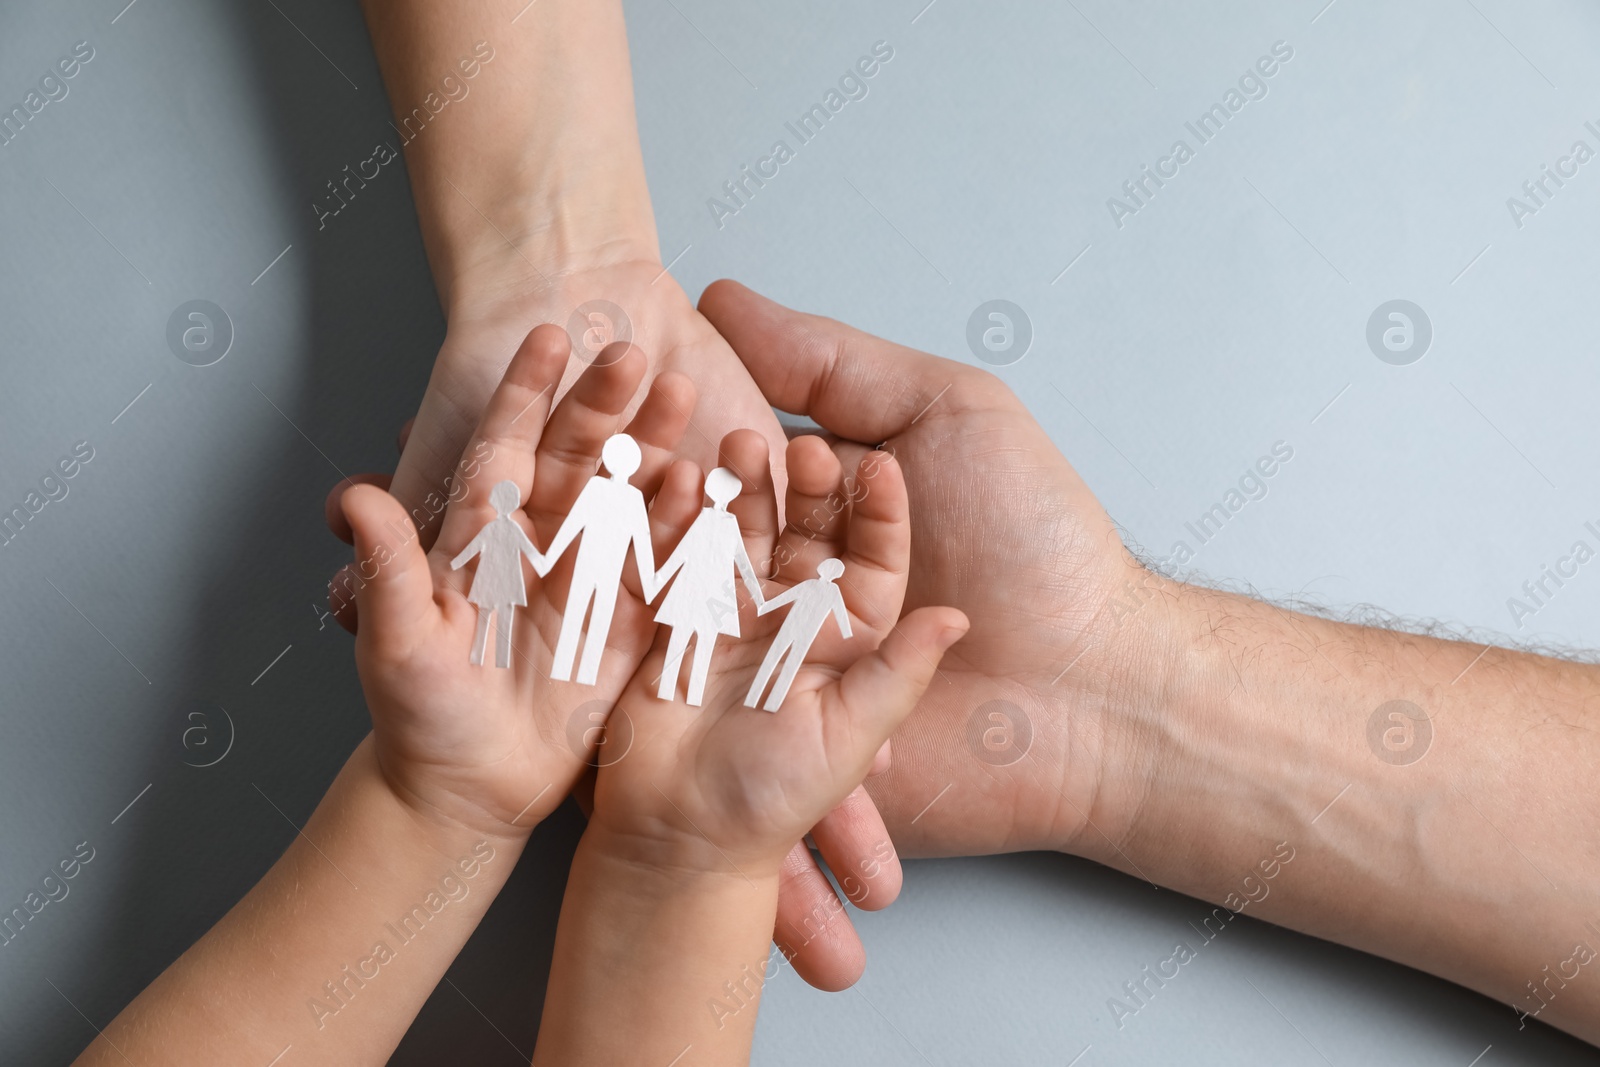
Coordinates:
621 456
830 569
505 496
722 485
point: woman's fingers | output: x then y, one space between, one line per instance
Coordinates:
812 929
569 452
502 448
672 512
855 843
392 582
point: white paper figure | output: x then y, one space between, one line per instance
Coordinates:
814 600
610 515
701 603
497 586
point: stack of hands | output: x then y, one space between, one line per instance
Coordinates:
1044 690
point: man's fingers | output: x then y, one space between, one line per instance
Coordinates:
333 514
812 929
393 584
854 841
851 383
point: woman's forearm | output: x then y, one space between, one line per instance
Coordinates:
336 948
518 128
653 962
1429 801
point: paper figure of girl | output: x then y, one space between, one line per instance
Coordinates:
701 603
498 587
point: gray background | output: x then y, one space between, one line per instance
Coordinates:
1228 314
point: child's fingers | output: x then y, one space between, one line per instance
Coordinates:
816 510
812 928
333 514
502 447
877 552
569 452
881 688
659 425
393 585
673 510
855 842
744 452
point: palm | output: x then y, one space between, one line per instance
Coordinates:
742 777
506 743
1030 600
509 300
1003 751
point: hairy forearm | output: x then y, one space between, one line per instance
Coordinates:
651 961
530 165
334 950
1463 845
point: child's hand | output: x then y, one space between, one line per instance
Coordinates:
731 788
494 748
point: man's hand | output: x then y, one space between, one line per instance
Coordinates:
1005 749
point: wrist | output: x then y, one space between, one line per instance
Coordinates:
443 821
666 859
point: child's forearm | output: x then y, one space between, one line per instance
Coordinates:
654 960
334 950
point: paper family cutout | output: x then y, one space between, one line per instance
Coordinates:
607 520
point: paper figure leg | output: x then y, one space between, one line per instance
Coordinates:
594 642
780 688
571 629
669 672
704 644
769 663
482 636
504 616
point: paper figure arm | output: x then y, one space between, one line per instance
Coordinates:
572 525
541 565
644 553
654 584
841 613
786 597
747 571
474 546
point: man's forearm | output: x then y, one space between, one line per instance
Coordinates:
535 148
1425 800
336 948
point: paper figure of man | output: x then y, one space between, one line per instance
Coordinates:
701 602
610 515
814 600
498 587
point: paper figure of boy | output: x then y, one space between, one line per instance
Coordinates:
498 587
814 600
610 514
701 602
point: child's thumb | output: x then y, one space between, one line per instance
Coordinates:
394 588
879 690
